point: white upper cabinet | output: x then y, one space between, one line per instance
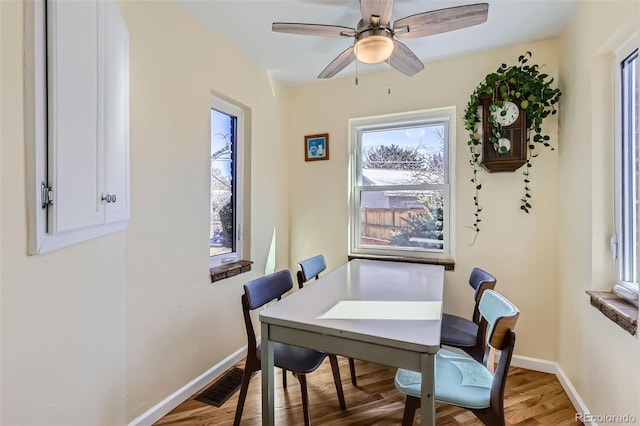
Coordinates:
75 140
116 96
77 68
88 110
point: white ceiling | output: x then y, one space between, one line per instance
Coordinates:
297 59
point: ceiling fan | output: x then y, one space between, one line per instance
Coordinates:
376 40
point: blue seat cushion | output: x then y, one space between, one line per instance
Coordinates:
294 358
457 331
460 381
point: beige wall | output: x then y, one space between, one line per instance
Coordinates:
62 314
100 332
600 359
526 266
173 314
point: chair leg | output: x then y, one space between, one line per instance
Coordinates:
492 416
352 369
410 408
302 378
246 378
284 378
337 380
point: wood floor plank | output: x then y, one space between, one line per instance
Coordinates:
532 399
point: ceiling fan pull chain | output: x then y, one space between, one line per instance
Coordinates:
356 72
388 61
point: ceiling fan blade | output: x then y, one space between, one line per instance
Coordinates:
313 29
381 8
339 63
404 60
441 21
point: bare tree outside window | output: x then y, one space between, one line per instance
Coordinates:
411 215
221 181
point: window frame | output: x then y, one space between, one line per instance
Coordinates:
237 187
358 126
625 256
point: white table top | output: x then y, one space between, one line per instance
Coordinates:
310 308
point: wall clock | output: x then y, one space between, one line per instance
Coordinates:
504 145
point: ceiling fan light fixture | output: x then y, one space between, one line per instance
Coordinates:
374 48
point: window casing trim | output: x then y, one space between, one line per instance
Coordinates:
421 118
228 107
623 173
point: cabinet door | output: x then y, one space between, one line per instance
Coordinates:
116 101
76 163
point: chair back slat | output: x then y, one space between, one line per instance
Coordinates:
501 316
265 289
480 281
312 267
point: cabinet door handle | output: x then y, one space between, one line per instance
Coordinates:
108 198
113 198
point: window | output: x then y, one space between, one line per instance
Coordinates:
225 213
627 168
400 184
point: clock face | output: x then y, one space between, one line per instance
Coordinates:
511 115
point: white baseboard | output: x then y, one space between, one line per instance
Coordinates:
535 364
156 412
553 368
571 391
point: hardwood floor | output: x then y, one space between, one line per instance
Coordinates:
532 398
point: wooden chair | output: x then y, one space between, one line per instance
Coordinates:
310 269
463 381
461 332
300 361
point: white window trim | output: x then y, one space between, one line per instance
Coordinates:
624 288
421 117
230 108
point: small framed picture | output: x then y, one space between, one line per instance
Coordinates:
316 147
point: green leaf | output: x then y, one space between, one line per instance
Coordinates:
524 104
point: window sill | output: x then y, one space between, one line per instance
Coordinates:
229 270
618 310
449 265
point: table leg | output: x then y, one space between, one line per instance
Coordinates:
427 400
267 377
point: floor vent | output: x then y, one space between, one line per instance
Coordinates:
223 389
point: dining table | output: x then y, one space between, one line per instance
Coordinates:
386 312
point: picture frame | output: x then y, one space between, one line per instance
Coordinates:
316 147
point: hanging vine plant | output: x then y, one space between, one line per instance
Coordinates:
532 90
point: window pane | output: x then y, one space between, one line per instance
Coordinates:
222 222
403 156
402 219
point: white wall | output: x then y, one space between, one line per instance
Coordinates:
599 357
100 332
519 249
